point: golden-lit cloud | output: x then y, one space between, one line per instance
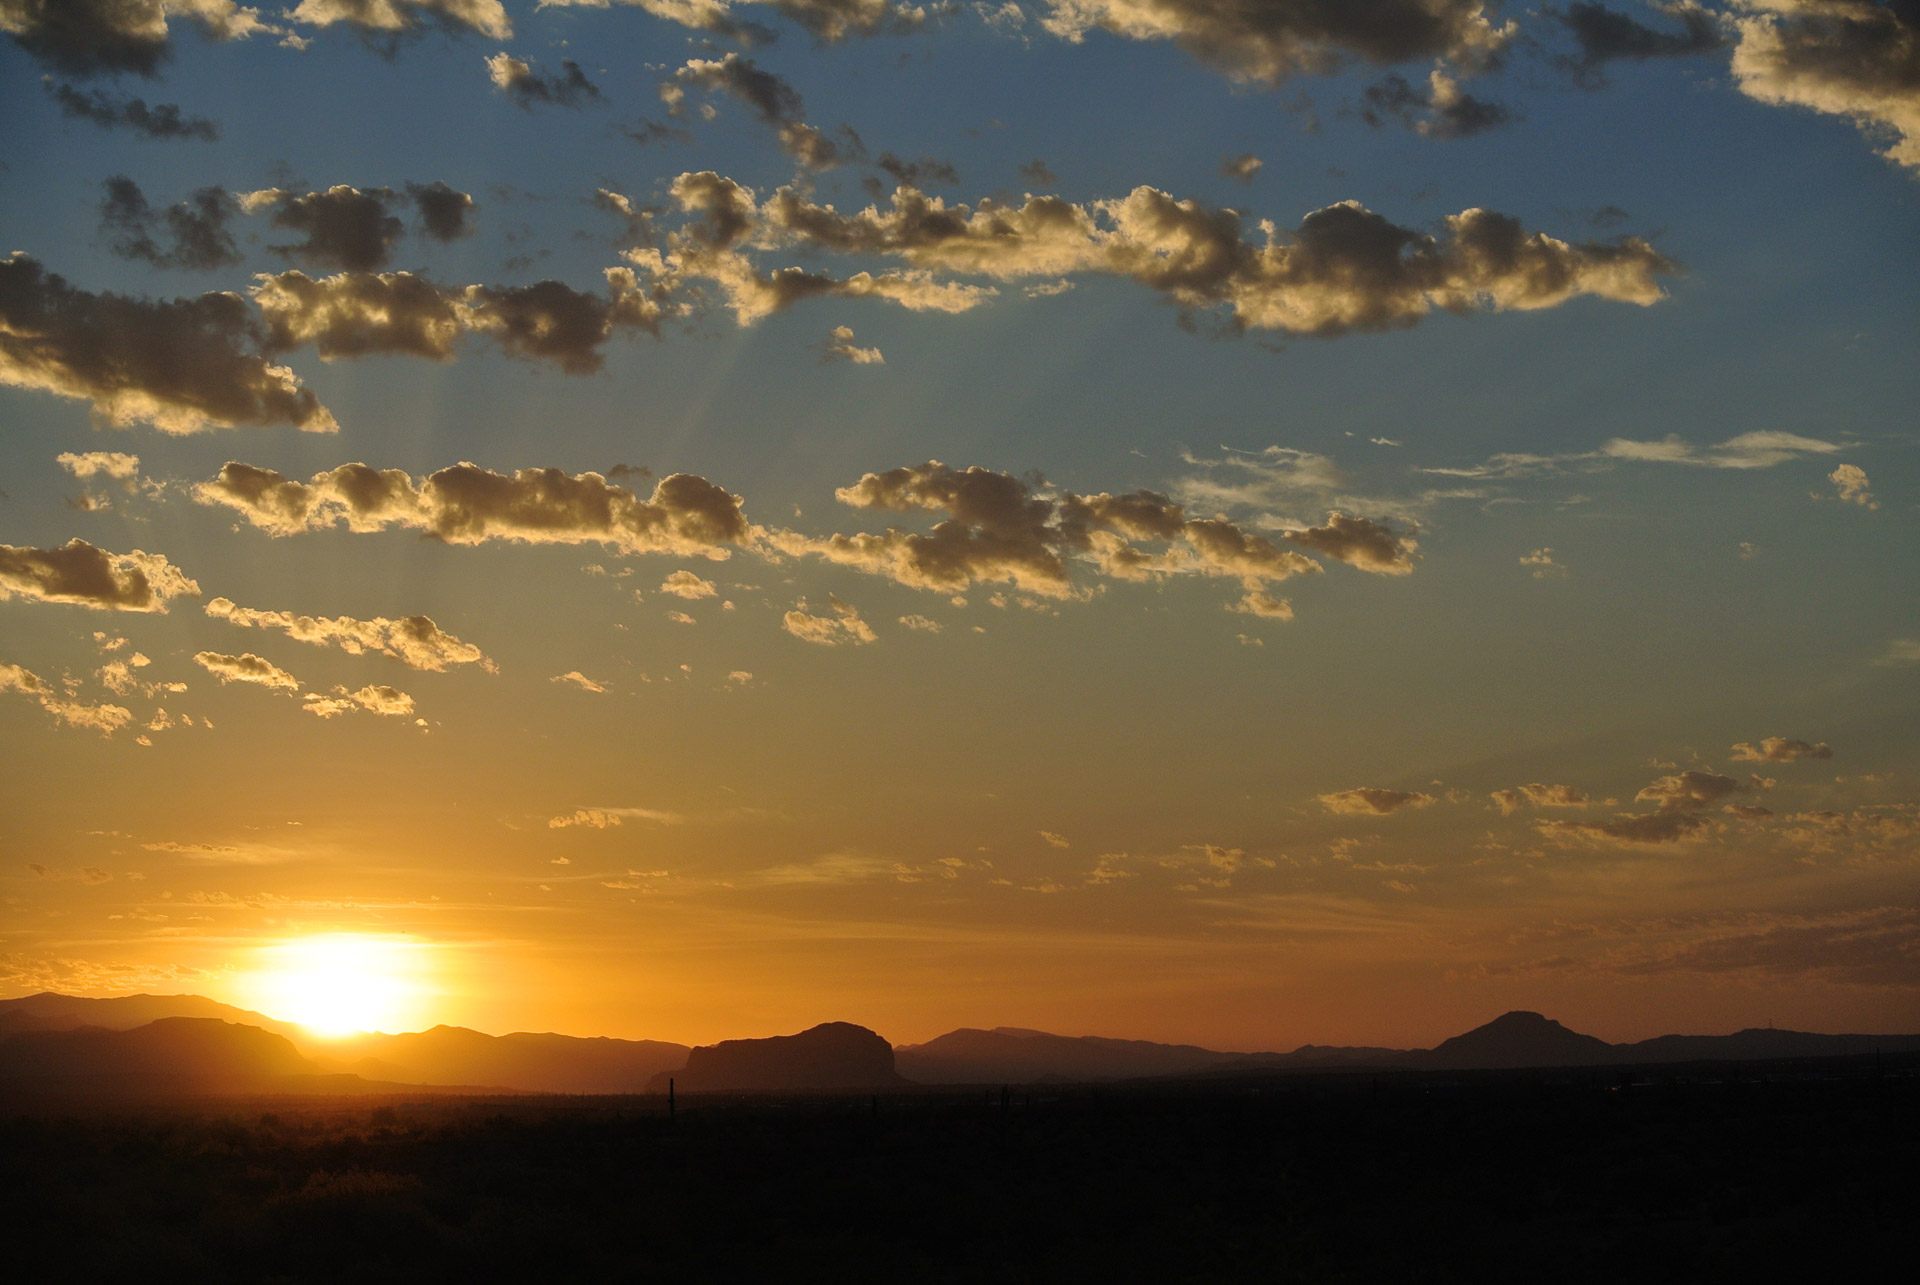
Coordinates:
1370 801
103 718
610 818
466 504
519 81
1780 749
1268 42
574 678
685 584
488 17
78 573
246 668
840 347
181 365
1853 58
1537 795
413 640
117 465
843 626
359 314
374 698
1850 480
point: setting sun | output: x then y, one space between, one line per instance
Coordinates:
340 983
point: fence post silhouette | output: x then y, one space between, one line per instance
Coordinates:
669 1097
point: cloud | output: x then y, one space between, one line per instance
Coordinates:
413 640
1656 827
840 347
375 698
828 21
161 121
197 225
343 227
1606 36
1747 451
1442 110
1853 58
1270 41
922 624
466 504
843 626
182 365
1368 801
771 98
397 17
526 87
108 37
1901 651
1778 749
1543 564
685 584
1850 480
117 465
78 573
1359 542
996 527
1679 799
1053 840
105 719
444 211
607 818
1689 790
1537 795
1343 269
358 314
575 678
245 668
1242 167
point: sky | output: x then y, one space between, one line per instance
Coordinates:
1245 522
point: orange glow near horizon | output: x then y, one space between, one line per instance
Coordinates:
336 984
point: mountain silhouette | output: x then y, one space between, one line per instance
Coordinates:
196 1053
1011 1055
51 1011
833 1055
1513 1041
192 1043
535 1063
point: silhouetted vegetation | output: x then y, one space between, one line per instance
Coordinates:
1704 1175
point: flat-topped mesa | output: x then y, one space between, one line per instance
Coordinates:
829 1057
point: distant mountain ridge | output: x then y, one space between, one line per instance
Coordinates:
188 1040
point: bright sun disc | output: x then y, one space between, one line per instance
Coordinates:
340 983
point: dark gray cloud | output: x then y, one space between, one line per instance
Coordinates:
994 527
1539 795
181 365
1854 58
1270 40
1780 749
1359 542
196 226
1344 268
444 212
829 21
1606 35
342 227
527 87
359 314
1439 110
109 37
771 98
1678 799
466 504
415 641
78 573
1369 801
1241 168
160 121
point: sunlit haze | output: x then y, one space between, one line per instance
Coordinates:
339 983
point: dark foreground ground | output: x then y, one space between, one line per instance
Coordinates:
1755 1173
